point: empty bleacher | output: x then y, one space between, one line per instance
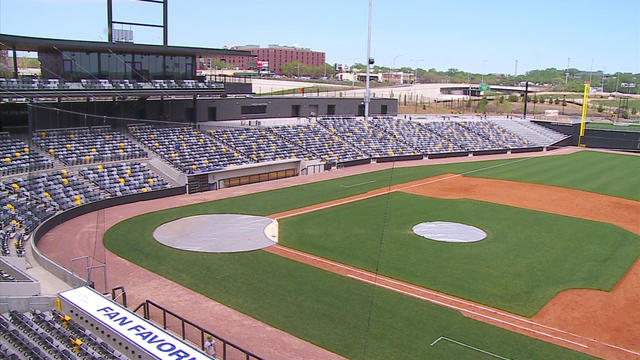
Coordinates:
124 179
16 157
187 149
29 84
367 137
259 144
320 142
76 146
535 134
50 335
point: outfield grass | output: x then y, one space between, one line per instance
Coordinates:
614 127
598 172
333 311
527 258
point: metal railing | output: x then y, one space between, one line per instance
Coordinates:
192 332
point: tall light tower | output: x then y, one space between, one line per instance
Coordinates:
367 94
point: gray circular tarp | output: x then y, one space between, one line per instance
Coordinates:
215 233
449 231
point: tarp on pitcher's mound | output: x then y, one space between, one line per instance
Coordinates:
216 233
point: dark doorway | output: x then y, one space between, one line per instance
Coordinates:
331 109
314 110
295 110
212 114
383 109
361 110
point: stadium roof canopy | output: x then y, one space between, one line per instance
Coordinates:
26 43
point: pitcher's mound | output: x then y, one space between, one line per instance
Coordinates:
449 231
218 233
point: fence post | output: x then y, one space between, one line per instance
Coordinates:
164 319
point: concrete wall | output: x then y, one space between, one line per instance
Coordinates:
282 107
27 303
606 139
183 110
24 285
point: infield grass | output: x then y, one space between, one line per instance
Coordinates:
526 259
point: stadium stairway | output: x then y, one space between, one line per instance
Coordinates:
536 134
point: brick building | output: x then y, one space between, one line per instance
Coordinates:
239 60
277 55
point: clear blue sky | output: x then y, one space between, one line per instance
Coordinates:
470 35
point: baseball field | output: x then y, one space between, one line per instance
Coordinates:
554 223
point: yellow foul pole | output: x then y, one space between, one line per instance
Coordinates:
584 112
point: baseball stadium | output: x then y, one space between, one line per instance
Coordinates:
155 215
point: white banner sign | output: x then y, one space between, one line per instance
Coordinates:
155 341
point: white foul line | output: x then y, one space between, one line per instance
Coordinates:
433 293
467 311
468 346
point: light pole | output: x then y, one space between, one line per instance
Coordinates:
415 71
367 91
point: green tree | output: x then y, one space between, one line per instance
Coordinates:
482 105
634 111
513 98
600 108
506 107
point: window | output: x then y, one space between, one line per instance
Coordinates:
253 109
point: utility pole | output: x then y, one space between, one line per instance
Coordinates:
526 97
566 78
515 73
367 94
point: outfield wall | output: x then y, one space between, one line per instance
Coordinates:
600 139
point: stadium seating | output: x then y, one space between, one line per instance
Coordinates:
16 157
320 142
367 137
534 134
187 149
259 144
124 179
50 335
103 84
76 146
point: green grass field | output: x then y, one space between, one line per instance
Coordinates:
527 258
332 311
614 127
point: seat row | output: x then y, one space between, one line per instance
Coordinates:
16 157
259 144
76 146
124 179
320 142
187 149
103 84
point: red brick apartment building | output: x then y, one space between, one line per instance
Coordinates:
241 60
277 55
